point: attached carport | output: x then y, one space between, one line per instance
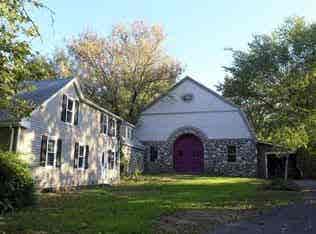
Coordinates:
272 161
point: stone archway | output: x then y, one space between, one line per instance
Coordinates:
198 136
188 154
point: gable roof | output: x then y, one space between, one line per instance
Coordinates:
40 91
43 90
188 78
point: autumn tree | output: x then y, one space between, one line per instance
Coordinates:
125 70
274 80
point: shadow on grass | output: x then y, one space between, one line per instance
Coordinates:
133 207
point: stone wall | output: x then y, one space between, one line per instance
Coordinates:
215 156
134 159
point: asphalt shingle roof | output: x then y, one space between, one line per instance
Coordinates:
42 90
39 92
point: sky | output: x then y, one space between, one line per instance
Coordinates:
198 31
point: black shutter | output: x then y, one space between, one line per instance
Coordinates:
117 155
43 150
58 155
101 123
64 107
76 120
76 155
86 160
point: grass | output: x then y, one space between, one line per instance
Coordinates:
136 207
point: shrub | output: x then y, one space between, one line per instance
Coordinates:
17 188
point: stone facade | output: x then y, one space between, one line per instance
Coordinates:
134 159
215 155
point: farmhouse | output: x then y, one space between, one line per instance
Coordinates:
68 140
71 141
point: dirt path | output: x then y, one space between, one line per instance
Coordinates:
297 218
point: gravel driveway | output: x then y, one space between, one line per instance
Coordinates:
299 218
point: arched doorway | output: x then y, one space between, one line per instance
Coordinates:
188 154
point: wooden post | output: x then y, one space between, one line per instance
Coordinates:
11 138
286 167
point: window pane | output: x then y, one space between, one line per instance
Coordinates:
69 116
51 146
50 159
231 149
232 158
70 104
81 162
81 151
103 159
104 123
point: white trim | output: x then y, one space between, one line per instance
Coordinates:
80 144
73 111
55 139
276 153
115 128
17 139
81 98
55 94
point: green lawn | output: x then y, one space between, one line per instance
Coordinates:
137 207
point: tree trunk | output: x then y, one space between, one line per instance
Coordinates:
286 167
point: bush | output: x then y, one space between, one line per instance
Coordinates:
17 188
281 184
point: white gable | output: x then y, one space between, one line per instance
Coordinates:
202 100
207 111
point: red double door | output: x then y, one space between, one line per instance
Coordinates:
188 154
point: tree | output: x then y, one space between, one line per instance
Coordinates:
39 67
16 28
125 70
63 64
274 80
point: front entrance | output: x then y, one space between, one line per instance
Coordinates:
188 154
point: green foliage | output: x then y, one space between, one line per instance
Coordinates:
134 207
274 81
16 28
16 184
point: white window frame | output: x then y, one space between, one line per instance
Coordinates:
72 111
51 138
115 127
84 156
